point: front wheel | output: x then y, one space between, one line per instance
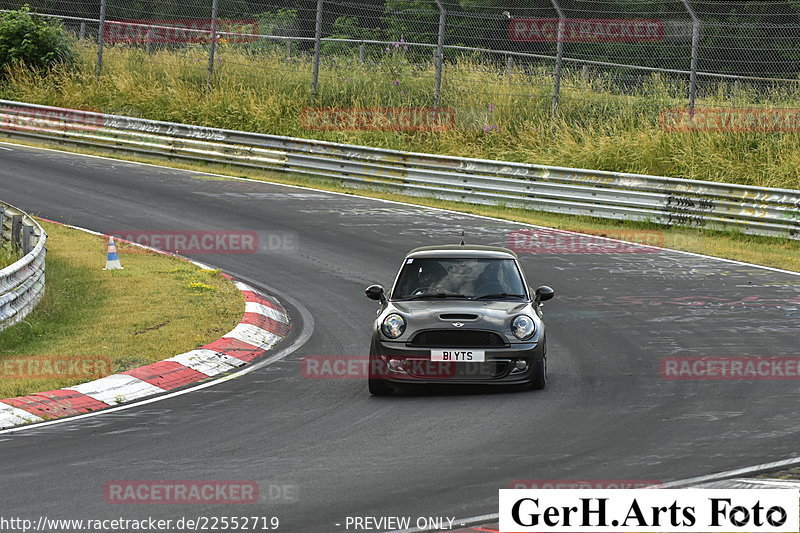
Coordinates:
539 378
377 385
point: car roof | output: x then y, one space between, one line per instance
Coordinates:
462 251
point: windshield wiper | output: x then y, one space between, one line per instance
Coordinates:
500 295
436 295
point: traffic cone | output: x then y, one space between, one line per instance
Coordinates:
112 263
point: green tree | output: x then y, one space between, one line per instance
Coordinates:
32 40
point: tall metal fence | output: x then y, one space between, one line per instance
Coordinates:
686 53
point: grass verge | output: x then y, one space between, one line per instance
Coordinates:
767 251
500 113
145 313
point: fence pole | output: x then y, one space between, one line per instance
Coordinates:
361 51
149 40
695 49
82 32
101 28
212 49
439 55
317 47
559 57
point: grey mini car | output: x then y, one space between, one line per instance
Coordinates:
458 314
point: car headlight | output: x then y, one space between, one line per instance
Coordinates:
523 327
393 326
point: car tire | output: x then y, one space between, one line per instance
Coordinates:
377 386
539 378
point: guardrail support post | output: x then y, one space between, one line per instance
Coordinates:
212 49
559 57
27 236
437 99
695 50
101 28
2 219
16 231
317 47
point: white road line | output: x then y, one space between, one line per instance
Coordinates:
355 194
671 485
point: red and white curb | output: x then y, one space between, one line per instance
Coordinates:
264 323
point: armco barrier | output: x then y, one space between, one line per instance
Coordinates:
22 282
614 195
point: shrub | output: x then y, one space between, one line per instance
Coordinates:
33 41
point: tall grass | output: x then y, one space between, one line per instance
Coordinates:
500 113
8 255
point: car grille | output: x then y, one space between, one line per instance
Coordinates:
445 338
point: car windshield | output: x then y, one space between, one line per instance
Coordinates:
467 278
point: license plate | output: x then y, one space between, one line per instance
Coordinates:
459 355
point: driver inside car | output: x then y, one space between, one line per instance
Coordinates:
431 279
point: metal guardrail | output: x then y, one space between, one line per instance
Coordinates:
613 195
22 282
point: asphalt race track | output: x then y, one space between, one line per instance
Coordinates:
607 413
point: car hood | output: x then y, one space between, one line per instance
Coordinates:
443 309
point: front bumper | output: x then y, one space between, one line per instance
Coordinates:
498 369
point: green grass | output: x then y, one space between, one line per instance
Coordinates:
7 255
147 312
598 126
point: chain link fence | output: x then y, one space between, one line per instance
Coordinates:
569 58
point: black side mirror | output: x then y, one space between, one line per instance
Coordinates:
544 293
375 292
